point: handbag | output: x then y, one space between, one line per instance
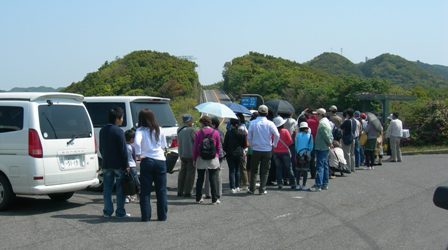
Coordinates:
342 167
171 159
128 184
363 138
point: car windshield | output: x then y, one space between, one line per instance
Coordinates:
162 111
64 122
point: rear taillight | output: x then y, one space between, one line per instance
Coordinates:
174 143
96 145
34 145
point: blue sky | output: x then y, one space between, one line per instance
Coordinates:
55 43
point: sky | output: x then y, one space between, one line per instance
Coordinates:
54 43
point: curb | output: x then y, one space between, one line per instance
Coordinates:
426 152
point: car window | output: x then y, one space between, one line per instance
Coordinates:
11 119
64 122
162 111
99 112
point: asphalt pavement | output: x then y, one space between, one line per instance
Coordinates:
386 208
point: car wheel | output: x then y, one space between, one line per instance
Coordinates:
61 196
6 193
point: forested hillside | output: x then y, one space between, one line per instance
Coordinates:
141 73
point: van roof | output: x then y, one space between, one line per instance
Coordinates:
126 98
34 96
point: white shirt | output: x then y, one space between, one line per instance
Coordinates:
146 145
336 155
395 129
131 161
261 131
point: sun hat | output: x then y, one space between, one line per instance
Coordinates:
303 125
357 114
363 116
321 111
263 109
278 121
333 108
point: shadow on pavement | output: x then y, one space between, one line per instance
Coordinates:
25 206
96 219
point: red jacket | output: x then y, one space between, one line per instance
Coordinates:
286 138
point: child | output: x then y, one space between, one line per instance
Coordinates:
304 145
130 135
336 159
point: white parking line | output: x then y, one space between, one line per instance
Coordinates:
282 216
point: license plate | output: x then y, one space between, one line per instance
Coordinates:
71 162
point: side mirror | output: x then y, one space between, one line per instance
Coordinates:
440 198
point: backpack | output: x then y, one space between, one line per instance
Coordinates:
207 148
337 133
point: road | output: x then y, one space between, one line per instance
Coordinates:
216 95
386 208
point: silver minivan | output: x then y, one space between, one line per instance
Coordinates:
47 146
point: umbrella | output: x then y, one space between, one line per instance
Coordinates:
216 109
238 108
371 118
280 106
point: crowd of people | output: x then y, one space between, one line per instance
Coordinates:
260 151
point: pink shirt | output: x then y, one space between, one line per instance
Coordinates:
198 139
286 138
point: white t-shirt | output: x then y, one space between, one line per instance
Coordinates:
333 160
146 145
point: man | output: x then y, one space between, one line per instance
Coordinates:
348 128
322 146
313 123
262 137
187 173
115 163
394 132
334 118
358 131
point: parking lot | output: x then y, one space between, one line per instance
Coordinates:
387 208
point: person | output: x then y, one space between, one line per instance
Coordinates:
215 125
130 136
334 118
348 138
336 158
150 144
187 173
282 154
313 123
249 149
358 131
207 145
262 136
242 129
234 144
394 132
304 145
115 163
370 146
324 140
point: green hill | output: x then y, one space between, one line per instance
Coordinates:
334 64
35 89
141 73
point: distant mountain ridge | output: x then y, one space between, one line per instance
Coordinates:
387 67
33 89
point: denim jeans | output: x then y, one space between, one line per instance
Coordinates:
111 176
152 170
357 152
322 168
283 163
234 163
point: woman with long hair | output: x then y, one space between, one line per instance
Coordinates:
150 143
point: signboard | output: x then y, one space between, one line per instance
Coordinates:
251 101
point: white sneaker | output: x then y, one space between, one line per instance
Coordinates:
234 190
216 202
124 216
238 189
126 200
200 201
298 187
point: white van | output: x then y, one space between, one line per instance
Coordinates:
99 106
47 146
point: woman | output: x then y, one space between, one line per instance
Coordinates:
282 154
150 143
234 145
370 146
207 133
304 146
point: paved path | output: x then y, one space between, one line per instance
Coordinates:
387 208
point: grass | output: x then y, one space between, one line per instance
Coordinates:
424 148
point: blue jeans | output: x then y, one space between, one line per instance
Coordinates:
134 175
357 152
322 168
234 163
283 162
111 176
152 170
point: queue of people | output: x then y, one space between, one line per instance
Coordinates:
319 142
